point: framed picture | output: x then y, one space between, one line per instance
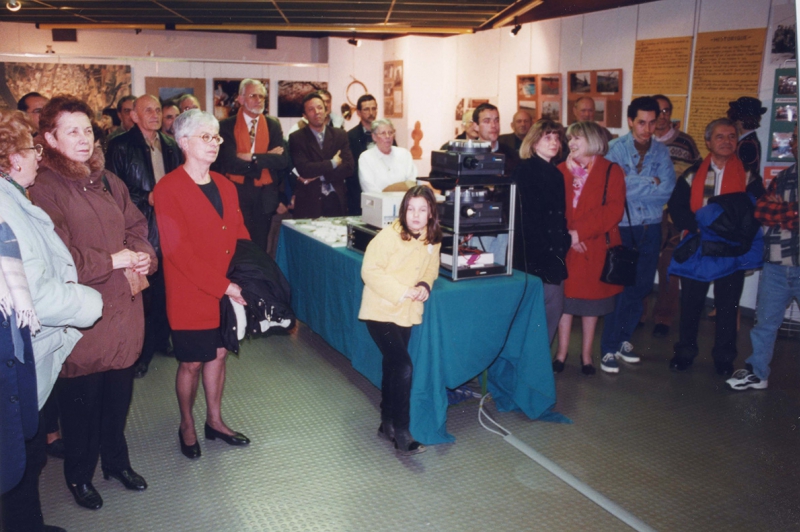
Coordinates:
174 88
550 84
291 94
100 86
551 110
781 146
393 89
226 97
608 81
580 82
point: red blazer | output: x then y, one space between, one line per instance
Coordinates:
198 246
591 219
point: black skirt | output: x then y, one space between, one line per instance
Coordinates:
196 346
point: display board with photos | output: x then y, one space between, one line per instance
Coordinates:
783 116
540 95
602 86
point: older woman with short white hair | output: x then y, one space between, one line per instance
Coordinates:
383 164
199 221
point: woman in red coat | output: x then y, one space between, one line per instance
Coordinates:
588 221
199 222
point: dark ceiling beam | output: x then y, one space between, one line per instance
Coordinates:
165 8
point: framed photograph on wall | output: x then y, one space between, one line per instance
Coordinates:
100 86
174 88
226 97
291 94
536 90
783 116
580 82
608 81
393 89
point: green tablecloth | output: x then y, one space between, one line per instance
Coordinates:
463 329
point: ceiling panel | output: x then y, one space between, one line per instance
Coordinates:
290 16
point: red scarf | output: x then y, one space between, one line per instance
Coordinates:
733 180
242 135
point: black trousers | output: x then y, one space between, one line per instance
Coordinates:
251 202
50 414
727 291
392 340
94 409
20 507
156 324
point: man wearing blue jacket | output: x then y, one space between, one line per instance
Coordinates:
649 180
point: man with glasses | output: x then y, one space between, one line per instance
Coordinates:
684 153
124 110
253 156
141 157
31 104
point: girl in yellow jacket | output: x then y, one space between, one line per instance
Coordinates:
400 265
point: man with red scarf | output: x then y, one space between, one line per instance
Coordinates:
252 155
719 173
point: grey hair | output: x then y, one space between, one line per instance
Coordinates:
250 81
716 123
373 127
189 121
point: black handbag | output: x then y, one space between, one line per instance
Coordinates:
620 265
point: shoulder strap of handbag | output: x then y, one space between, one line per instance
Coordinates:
605 190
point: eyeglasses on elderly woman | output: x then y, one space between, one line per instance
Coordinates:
208 138
38 148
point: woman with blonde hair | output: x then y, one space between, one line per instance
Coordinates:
595 198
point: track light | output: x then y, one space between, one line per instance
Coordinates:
13 5
515 30
354 41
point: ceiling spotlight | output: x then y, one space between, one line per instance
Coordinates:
515 30
13 5
354 42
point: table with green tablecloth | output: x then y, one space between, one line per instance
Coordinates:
463 330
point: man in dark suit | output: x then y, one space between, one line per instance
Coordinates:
141 157
253 156
520 125
322 157
487 117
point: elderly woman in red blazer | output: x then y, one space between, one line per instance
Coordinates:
199 222
588 220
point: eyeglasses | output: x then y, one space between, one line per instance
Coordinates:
257 96
208 137
39 149
665 111
384 133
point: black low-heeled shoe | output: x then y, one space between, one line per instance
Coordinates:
236 439
86 496
129 478
558 366
189 451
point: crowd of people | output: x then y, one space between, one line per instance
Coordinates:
115 246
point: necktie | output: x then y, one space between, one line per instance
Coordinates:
253 132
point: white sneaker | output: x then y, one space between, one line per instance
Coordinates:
626 353
609 363
743 380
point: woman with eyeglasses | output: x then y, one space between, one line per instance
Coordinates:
383 164
41 316
107 237
199 221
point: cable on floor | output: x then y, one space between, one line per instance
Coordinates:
594 496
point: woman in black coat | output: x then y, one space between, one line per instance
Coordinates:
541 239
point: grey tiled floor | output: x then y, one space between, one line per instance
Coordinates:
679 451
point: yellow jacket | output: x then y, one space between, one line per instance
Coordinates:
392 266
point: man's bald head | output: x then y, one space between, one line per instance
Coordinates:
583 109
521 123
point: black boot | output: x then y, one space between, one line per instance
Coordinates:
406 444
